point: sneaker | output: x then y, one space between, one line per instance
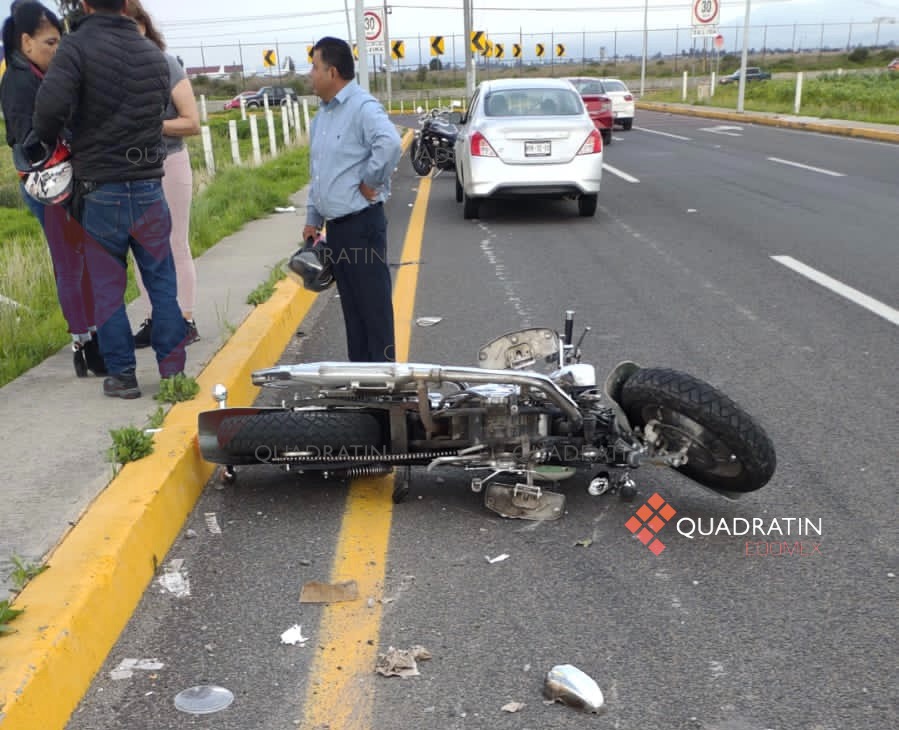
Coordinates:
142 336
123 385
92 357
192 334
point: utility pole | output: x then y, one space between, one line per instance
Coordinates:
362 45
645 43
466 45
388 56
742 90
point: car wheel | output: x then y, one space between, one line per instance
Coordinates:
252 105
470 207
459 192
606 137
586 205
627 124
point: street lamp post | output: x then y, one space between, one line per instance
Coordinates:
742 90
361 45
881 19
645 43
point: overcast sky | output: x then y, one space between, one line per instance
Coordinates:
292 24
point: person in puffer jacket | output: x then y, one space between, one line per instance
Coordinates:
31 35
114 85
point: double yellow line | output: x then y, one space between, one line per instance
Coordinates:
339 693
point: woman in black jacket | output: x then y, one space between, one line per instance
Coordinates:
30 37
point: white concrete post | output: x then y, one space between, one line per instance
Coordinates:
285 125
235 145
254 136
306 116
203 116
272 136
207 150
243 108
714 83
296 119
798 102
684 93
265 101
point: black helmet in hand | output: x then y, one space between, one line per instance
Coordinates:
312 265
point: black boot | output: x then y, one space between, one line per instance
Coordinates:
123 385
142 336
78 359
92 356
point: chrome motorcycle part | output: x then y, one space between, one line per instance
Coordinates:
569 685
600 484
524 502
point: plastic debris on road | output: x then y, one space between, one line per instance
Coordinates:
287 209
204 699
569 685
294 636
127 667
428 321
513 707
212 523
175 579
497 559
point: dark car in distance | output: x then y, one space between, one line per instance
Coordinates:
277 96
753 73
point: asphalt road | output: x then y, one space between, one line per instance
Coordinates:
675 270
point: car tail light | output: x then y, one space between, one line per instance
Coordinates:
628 97
480 147
592 144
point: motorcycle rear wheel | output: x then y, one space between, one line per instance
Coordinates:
421 164
726 448
260 437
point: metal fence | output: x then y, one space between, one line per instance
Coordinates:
611 46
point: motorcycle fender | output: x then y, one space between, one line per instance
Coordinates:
208 423
614 382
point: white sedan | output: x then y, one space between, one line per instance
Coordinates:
527 138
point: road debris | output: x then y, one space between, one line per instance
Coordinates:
127 667
175 579
586 542
401 662
570 686
428 321
512 706
294 636
212 523
316 592
498 558
286 209
204 699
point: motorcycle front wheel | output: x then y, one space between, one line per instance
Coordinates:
420 163
316 433
726 448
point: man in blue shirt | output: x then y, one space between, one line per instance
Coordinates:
354 149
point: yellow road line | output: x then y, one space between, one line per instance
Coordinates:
339 694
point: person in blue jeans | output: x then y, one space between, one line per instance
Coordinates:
30 37
114 86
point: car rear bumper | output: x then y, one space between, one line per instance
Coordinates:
490 177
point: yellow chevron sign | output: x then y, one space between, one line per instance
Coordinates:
478 41
488 48
398 49
540 50
498 50
309 53
560 50
437 45
268 58
356 51
516 50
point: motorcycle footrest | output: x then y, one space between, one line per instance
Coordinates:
523 502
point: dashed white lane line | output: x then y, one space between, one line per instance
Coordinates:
806 167
664 134
623 175
844 290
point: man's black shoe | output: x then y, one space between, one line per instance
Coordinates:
192 334
123 385
142 336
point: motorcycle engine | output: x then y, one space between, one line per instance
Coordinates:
498 419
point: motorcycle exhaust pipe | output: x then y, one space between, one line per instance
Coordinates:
387 376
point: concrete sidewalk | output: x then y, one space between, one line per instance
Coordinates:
842 127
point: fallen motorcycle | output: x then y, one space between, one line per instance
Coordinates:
434 141
517 430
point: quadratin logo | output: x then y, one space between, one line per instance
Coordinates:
649 521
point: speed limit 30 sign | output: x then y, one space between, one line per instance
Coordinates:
705 17
373 19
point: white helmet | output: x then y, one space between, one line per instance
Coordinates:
50 181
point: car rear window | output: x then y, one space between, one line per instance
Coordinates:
532 103
586 86
614 86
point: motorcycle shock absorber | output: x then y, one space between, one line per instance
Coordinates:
354 472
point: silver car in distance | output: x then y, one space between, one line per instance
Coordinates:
527 138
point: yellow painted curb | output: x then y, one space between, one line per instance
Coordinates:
75 611
881 135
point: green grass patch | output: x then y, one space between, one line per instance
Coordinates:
7 614
178 388
264 291
24 571
129 444
864 97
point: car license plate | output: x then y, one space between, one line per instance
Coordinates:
537 149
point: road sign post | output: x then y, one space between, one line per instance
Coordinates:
373 20
705 17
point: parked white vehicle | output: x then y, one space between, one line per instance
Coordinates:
622 102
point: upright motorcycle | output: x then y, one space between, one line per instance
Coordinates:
528 417
433 145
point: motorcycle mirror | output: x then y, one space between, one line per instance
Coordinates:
454 117
569 685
